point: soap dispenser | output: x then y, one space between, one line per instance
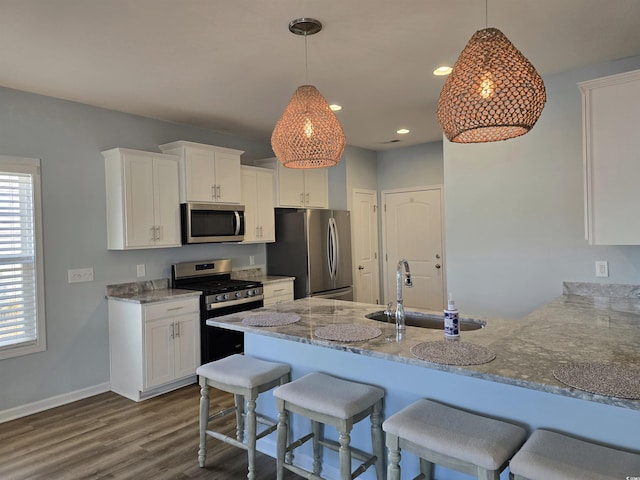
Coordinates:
451 322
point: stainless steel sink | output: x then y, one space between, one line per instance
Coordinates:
427 320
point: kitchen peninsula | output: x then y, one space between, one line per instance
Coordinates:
518 385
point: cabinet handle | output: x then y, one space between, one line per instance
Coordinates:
172 334
158 233
302 198
213 192
307 199
155 233
177 324
219 193
260 231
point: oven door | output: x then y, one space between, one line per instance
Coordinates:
211 223
217 343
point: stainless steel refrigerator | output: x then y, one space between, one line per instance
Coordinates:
314 246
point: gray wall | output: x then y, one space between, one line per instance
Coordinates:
413 166
68 138
514 211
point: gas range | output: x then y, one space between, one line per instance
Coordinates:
213 279
221 295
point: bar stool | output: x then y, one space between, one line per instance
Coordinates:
549 455
246 377
450 437
328 400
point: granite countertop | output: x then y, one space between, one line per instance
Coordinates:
148 292
572 328
274 279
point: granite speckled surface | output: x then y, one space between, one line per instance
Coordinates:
572 328
258 275
148 292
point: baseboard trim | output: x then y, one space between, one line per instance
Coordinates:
52 402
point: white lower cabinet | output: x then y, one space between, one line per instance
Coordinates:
154 347
277 292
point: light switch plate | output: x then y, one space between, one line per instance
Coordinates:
78 275
141 270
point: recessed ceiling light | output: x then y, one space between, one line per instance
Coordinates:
403 131
335 107
440 71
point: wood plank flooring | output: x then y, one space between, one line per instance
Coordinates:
110 437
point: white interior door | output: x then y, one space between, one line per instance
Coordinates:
365 246
412 225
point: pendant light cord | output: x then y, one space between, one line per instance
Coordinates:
306 62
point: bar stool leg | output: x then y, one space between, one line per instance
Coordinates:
393 470
317 428
204 421
426 469
344 454
283 431
377 440
239 402
251 440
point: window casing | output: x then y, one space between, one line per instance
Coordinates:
22 320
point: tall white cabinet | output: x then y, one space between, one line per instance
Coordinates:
258 200
296 187
611 116
208 173
143 210
154 347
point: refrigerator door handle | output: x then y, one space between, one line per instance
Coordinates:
333 248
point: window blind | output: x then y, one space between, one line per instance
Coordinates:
18 274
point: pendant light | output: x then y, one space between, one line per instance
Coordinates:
493 92
308 134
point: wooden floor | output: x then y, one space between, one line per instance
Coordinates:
110 437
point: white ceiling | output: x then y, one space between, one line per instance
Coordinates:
232 65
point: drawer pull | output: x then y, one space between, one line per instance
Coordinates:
279 290
174 309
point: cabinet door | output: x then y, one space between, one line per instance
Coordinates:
200 175
250 201
167 203
159 352
315 188
290 187
265 203
227 178
139 200
186 345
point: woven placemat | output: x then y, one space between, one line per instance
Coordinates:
602 378
270 319
453 352
347 332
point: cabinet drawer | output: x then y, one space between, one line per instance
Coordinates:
280 289
171 308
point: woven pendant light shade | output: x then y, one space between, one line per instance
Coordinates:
308 134
493 92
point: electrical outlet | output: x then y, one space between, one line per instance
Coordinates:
602 268
141 270
252 260
78 275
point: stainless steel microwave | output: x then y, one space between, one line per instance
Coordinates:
210 223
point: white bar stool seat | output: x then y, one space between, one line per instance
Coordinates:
552 456
327 400
456 439
246 377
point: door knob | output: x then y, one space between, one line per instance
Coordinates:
438 265
437 255
360 267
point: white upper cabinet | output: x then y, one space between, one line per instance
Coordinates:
208 174
258 200
611 115
296 187
143 208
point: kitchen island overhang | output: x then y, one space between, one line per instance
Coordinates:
518 385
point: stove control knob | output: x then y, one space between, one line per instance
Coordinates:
249 293
226 296
238 294
219 298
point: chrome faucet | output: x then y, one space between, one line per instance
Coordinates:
408 283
